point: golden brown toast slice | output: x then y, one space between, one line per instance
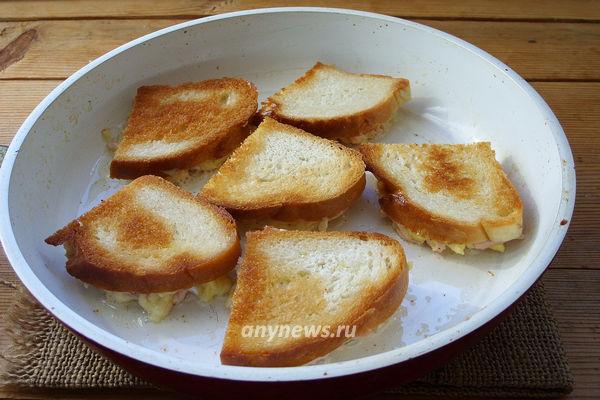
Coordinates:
454 195
182 127
335 104
150 237
285 174
294 281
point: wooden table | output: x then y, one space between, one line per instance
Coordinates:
554 44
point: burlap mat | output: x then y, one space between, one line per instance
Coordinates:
522 357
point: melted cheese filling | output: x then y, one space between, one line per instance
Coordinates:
438 247
159 305
180 176
299 225
210 290
458 248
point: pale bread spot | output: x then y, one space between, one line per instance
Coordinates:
187 95
332 93
156 148
226 98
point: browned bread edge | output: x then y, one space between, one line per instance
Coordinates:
295 211
402 210
223 145
184 275
343 128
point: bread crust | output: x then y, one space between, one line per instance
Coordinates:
351 128
301 211
292 210
87 262
401 209
367 318
222 135
225 144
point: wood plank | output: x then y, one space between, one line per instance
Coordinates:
577 106
62 47
540 51
536 51
480 9
577 316
18 99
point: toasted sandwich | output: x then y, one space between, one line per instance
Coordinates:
328 102
283 175
300 295
190 126
452 196
152 242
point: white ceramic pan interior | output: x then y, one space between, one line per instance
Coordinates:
56 168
